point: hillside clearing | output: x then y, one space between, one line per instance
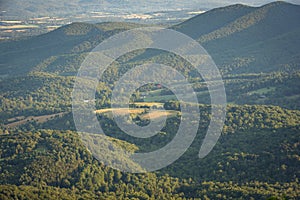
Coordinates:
38 119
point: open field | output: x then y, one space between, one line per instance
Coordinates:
38 119
11 21
171 97
155 114
121 111
143 113
16 119
20 26
263 90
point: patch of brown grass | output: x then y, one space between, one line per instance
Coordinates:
155 114
24 120
121 111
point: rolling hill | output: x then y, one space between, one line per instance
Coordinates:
267 36
257 50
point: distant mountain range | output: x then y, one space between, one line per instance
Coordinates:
239 38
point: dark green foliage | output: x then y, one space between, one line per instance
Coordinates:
256 157
58 159
54 158
44 192
36 94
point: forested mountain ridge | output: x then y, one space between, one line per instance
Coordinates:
265 38
267 48
248 39
257 50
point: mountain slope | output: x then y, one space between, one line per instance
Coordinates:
260 34
240 39
212 20
36 49
21 56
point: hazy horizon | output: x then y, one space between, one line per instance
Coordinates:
37 8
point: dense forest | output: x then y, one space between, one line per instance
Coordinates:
46 161
257 155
